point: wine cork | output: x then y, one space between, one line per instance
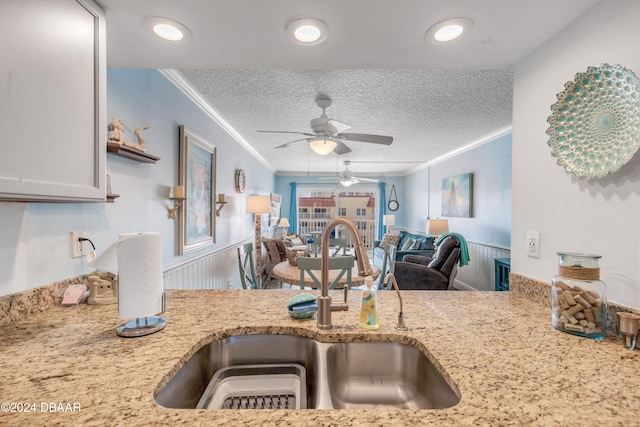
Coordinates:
583 301
568 296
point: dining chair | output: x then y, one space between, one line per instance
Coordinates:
338 245
248 276
312 266
388 265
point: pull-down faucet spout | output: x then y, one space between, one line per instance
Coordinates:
364 269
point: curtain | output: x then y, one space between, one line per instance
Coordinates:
382 209
293 208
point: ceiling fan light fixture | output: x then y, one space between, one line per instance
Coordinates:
448 30
348 182
323 146
307 31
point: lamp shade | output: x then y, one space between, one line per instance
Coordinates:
258 204
322 145
284 222
389 220
437 227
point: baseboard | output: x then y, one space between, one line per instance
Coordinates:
461 286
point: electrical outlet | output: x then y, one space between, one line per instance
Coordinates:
533 244
78 248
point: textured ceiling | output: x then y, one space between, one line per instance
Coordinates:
375 65
419 108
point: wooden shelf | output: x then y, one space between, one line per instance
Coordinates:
112 197
131 153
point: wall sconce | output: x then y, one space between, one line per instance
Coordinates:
221 202
178 198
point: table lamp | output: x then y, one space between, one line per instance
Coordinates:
284 223
437 227
388 221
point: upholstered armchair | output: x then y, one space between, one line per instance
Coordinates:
423 273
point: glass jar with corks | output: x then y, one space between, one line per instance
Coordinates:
578 296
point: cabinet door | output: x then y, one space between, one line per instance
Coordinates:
52 101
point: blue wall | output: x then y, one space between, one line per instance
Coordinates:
35 243
490 164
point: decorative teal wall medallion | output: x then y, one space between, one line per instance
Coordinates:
595 125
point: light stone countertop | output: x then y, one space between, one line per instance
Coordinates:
510 366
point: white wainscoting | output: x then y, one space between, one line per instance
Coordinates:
479 274
213 270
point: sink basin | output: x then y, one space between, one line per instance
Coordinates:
326 376
187 386
385 376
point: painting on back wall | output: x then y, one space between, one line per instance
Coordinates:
457 196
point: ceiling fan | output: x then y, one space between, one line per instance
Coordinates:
346 178
328 133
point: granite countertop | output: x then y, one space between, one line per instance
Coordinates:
510 366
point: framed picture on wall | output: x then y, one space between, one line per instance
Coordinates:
197 228
457 196
274 213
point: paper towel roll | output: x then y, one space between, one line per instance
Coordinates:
137 257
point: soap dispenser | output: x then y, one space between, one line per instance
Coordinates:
368 308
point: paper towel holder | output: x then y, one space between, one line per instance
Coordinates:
142 326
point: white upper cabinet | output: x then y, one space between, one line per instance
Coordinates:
52 101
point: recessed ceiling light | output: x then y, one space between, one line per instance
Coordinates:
168 29
307 31
448 30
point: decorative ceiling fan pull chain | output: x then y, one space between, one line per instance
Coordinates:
393 204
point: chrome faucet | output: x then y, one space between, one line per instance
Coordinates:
400 325
364 269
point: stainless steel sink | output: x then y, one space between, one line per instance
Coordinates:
187 386
385 376
336 375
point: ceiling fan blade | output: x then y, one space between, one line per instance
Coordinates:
286 131
365 137
341 148
359 178
291 143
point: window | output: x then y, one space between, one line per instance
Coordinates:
316 208
320 213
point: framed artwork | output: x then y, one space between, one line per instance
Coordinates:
197 228
457 196
274 213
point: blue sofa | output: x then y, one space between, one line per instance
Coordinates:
425 249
